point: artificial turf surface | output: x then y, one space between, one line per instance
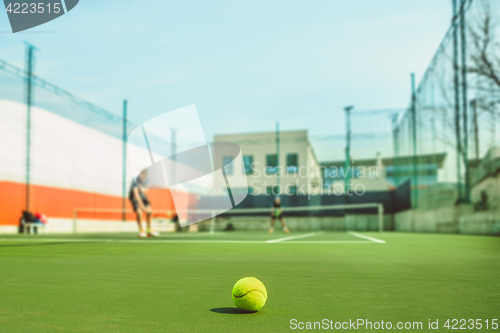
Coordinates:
116 283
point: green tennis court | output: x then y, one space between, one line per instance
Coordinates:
182 282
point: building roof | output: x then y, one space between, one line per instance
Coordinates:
404 160
263 137
294 136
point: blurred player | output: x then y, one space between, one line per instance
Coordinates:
277 213
141 205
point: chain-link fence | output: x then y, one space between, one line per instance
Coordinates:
443 138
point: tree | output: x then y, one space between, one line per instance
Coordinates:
484 61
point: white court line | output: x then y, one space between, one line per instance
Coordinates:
145 241
366 237
293 237
153 241
329 242
148 241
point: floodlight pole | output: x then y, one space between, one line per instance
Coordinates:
347 163
414 139
465 154
173 151
278 152
456 85
173 142
124 163
30 68
395 142
476 128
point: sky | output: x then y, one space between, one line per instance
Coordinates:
245 65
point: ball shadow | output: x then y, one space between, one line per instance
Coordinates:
230 311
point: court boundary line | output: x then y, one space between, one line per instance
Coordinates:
376 240
330 242
145 240
284 239
287 240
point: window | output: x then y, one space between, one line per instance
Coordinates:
332 172
271 163
240 190
292 189
228 166
274 189
292 162
247 164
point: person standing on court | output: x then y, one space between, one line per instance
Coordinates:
277 213
142 205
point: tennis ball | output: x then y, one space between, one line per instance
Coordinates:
249 294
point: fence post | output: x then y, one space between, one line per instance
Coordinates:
75 221
212 223
380 217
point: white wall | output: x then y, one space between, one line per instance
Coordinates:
64 153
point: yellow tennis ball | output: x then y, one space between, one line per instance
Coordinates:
249 294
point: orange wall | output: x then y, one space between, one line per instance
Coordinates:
60 203
11 202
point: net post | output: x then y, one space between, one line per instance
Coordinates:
75 212
380 217
212 223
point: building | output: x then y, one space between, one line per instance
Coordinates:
385 173
295 171
485 181
368 173
400 169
